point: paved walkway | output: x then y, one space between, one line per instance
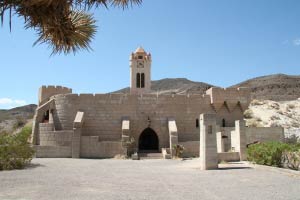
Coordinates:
55 179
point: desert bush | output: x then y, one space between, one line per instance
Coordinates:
295 124
258 119
178 148
280 112
274 124
272 153
256 102
253 123
274 105
248 114
15 150
20 122
291 160
274 117
291 106
129 145
293 139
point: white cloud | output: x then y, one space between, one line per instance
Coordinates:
296 42
6 103
20 102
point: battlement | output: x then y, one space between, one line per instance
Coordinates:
229 96
45 92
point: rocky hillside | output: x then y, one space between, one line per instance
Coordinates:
12 119
175 86
267 113
278 87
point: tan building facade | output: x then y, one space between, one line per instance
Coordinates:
106 125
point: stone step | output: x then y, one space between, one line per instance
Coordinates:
150 156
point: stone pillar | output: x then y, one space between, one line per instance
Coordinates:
76 143
173 134
220 142
126 143
240 135
208 142
51 120
76 137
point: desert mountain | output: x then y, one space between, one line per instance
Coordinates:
277 87
175 86
15 118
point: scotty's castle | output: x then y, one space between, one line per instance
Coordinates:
106 125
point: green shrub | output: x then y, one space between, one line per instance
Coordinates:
270 153
15 150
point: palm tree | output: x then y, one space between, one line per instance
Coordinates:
65 25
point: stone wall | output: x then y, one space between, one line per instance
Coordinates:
48 137
191 148
228 156
104 113
52 151
264 134
91 147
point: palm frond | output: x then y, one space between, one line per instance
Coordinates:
74 32
56 21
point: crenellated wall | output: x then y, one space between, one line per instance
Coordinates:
45 92
103 115
229 97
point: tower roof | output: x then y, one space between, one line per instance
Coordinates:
140 50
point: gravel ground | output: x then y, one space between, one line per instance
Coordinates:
56 179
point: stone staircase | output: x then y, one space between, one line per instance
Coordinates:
148 155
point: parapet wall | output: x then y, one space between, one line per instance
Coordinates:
45 92
230 97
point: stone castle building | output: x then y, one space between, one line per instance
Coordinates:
106 125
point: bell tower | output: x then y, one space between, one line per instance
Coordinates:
140 72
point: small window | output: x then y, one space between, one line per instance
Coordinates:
140 57
223 123
142 80
197 123
138 80
46 117
209 129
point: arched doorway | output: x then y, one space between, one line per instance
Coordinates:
148 140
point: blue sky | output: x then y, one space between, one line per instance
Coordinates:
213 41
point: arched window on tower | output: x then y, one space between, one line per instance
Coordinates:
142 80
197 123
138 80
